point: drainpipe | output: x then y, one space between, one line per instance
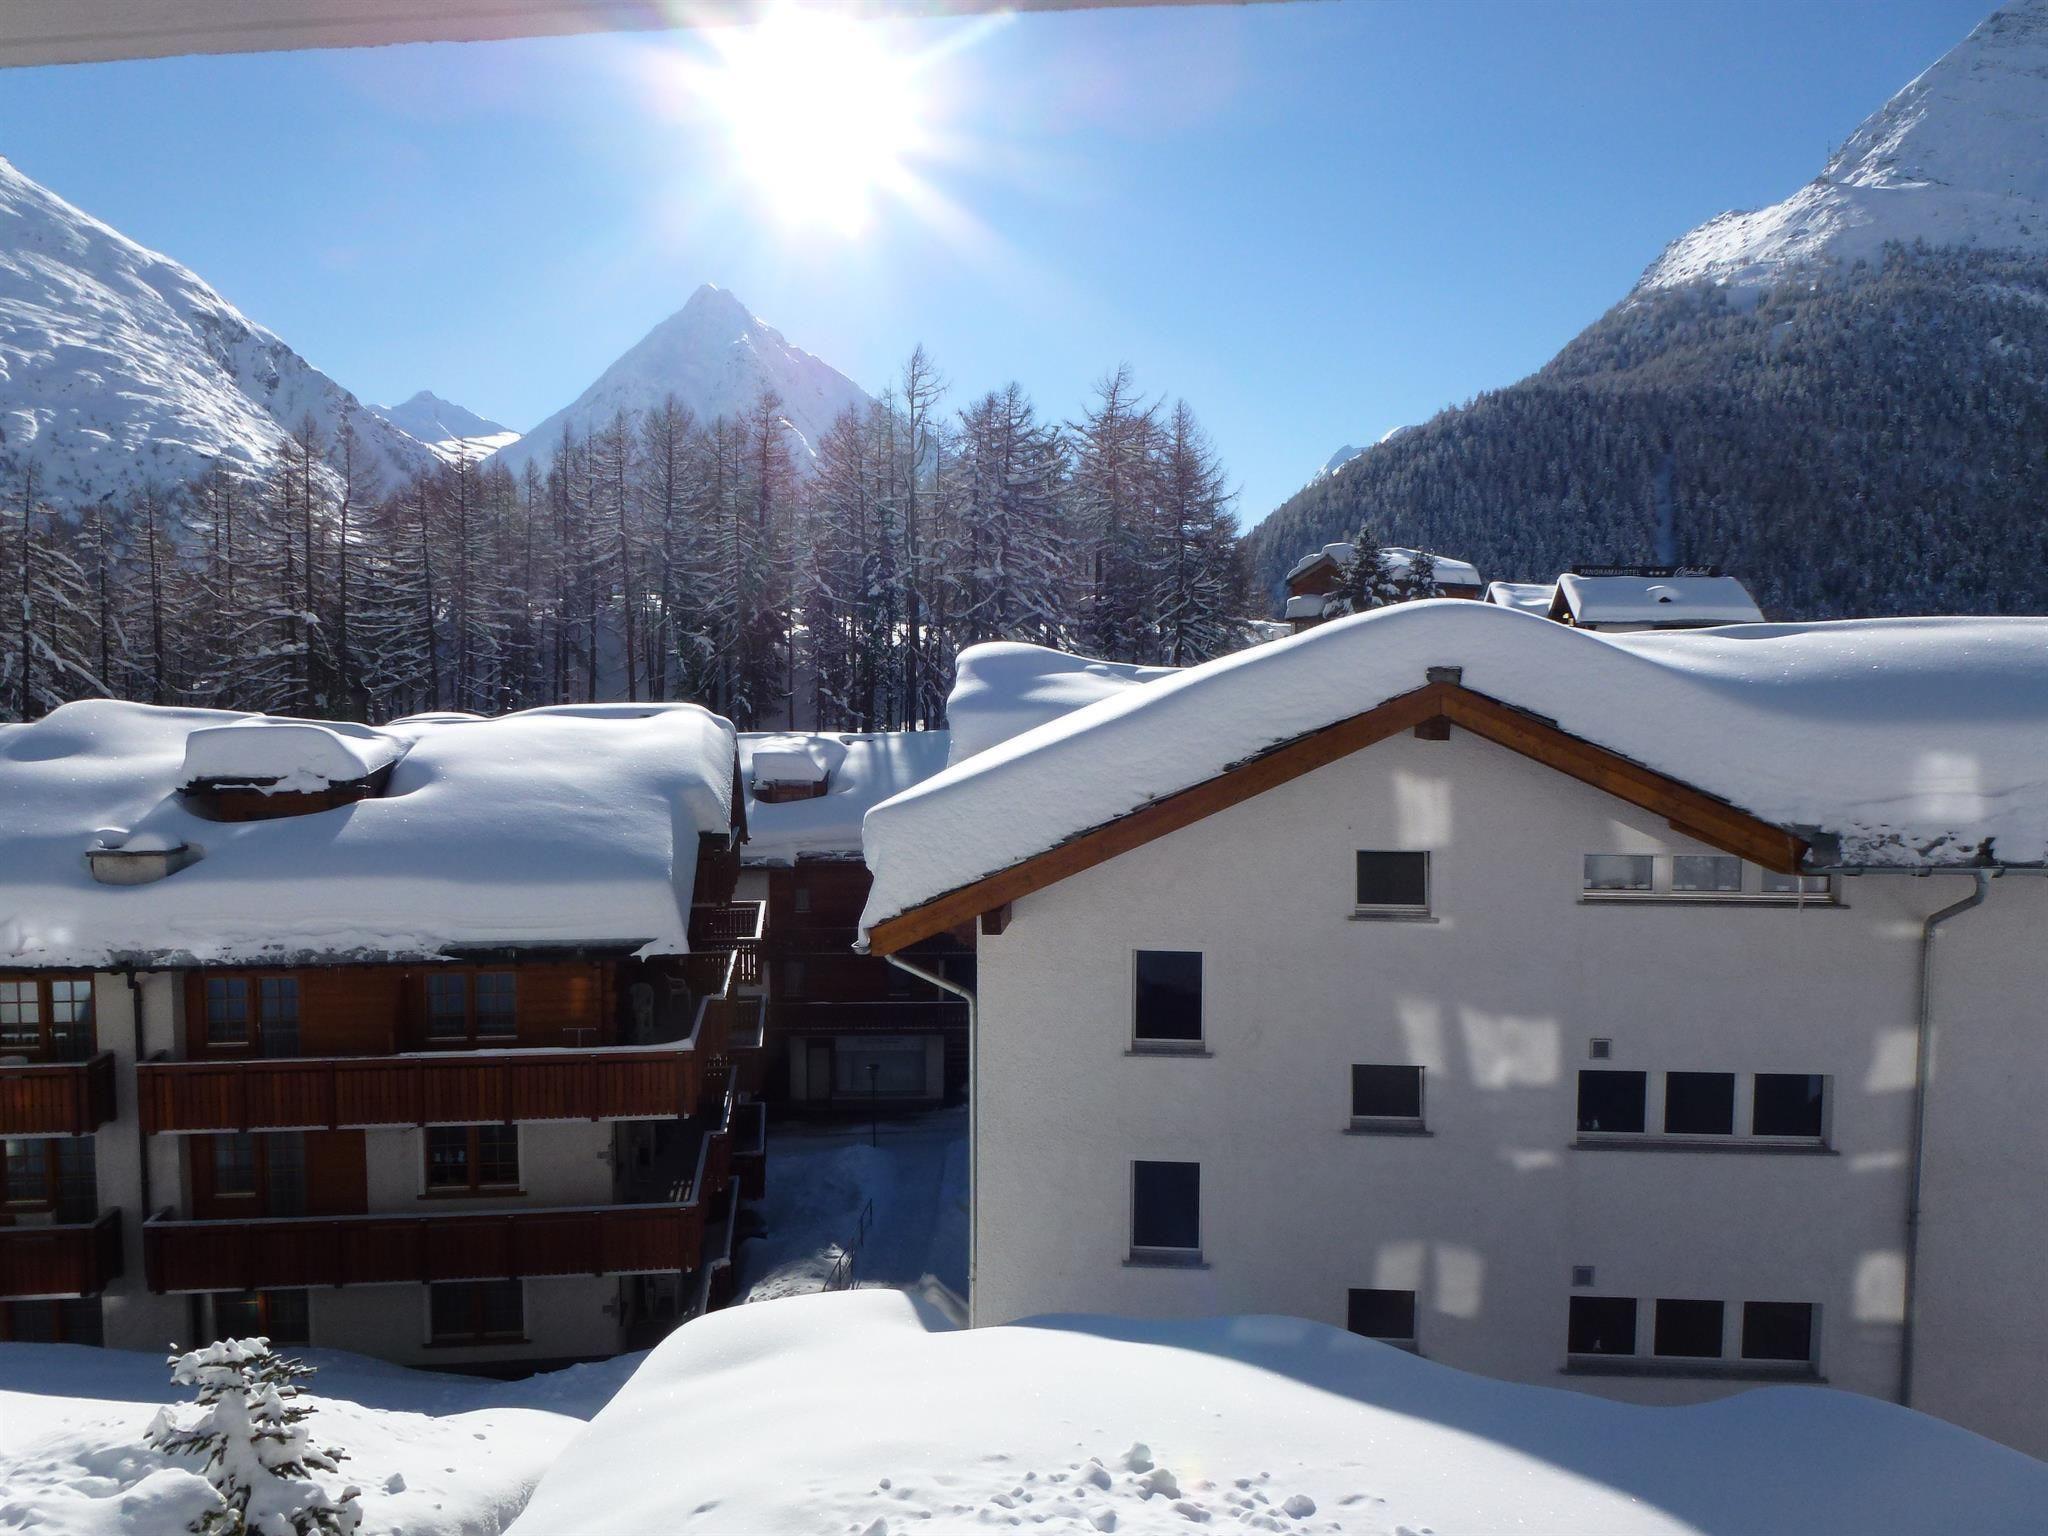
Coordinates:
973 1116
1917 1147
141 1141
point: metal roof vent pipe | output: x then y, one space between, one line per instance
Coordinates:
116 858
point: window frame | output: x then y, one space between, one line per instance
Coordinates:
477 1334
1663 890
1742 1135
1731 1361
1170 1045
1394 909
265 1302
472 1163
251 985
1409 1341
41 996
1390 1124
1158 1255
473 1035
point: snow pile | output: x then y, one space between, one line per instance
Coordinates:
1658 600
1957 158
859 771
1524 596
716 358
120 368
857 1413
287 754
1885 741
1005 688
434 1455
569 825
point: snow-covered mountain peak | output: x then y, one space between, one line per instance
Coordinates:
450 430
1959 157
717 357
121 368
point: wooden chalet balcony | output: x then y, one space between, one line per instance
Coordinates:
731 927
73 1259
57 1098
746 1041
750 1149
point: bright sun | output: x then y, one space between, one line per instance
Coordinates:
823 116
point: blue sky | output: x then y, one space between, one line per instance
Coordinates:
1314 221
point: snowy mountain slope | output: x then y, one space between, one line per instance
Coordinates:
119 367
717 358
448 430
1957 158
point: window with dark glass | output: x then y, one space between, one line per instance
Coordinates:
1386 1093
1688 1330
46 1018
279 1316
497 1003
1620 871
31 1171
234 1163
1166 1207
1602 1325
1388 1315
1611 1101
472 1157
78 1185
277 1007
1777 1330
447 1006
476 1311
1393 881
1789 1104
1706 873
1168 1007
74 1320
227 1010
21 1017
1699 1103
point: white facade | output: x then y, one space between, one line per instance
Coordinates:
1498 996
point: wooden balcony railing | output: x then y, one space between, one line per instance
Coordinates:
388 1249
750 1149
57 1098
731 927
75 1259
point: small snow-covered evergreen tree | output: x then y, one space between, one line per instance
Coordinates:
251 1429
1367 580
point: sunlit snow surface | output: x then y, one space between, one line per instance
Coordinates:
861 1412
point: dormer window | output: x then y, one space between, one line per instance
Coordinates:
258 770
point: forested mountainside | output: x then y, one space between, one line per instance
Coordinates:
1869 444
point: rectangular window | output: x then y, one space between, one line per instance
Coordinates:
447 1006
1386 1095
1699 1103
1168 1006
21 1018
802 898
227 1010
1620 871
277 1008
448 1157
885 1066
1166 1208
71 1032
1393 882
279 1316
497 1003
30 1171
78 1185
471 1158
234 1164
1385 1315
1611 1101
1602 1325
1706 873
1790 1104
1688 1330
1777 1330
476 1311
497 1155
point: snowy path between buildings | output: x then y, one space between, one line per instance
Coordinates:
820 1177
434 1455
867 1414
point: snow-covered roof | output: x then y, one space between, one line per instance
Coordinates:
1307 606
1669 600
1336 554
859 771
563 826
1526 596
1883 741
1450 572
287 754
1006 687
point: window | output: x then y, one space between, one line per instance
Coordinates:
464 1006
802 898
277 1006
497 1003
887 1066
46 1019
1386 1096
447 1006
1715 873
1813 887
234 1164
476 1311
1611 1101
252 1010
1166 1209
472 1158
1789 1104
1619 871
1777 1330
70 1321
1385 1315
227 1010
31 1171
279 1316
1699 1103
1688 1330
1602 1325
1393 882
1168 1008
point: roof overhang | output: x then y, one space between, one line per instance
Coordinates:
96 31
1689 810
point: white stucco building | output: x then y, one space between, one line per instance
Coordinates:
1503 991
